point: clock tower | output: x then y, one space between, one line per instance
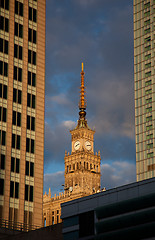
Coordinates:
82 166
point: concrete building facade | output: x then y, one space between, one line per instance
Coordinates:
125 212
22 98
144 78
82 166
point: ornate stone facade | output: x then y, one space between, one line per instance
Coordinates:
82 167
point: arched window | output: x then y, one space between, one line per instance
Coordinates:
44 222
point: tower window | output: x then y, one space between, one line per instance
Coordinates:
31 100
32 35
18 30
3 46
32 57
2 137
18 52
3 68
18 74
29 170
17 96
30 123
15 164
4 24
3 113
32 14
18 8
1 186
32 79
28 193
14 189
4 4
16 118
15 141
30 145
2 163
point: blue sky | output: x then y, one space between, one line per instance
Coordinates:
100 34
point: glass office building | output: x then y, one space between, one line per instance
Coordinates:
144 79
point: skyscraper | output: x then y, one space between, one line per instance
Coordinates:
22 95
144 77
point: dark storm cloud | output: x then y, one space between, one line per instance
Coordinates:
100 33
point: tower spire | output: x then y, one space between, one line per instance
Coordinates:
82 103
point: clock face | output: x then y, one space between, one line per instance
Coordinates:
76 145
87 145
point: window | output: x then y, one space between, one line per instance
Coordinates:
15 164
32 36
28 193
148 118
147 48
18 8
149 155
53 220
148 127
17 96
15 141
147 5
2 137
32 14
2 163
18 74
4 24
1 186
3 68
148 83
149 146
149 100
3 91
4 4
147 30
16 118
32 57
30 123
14 189
3 46
3 112
31 100
147 22
30 145
149 109
32 79
148 74
149 136
148 39
146 14
18 51
29 170
149 91
18 30
147 56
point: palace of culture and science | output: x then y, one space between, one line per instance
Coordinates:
82 167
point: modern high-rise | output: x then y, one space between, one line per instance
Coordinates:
22 98
144 78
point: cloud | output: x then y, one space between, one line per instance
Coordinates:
102 37
54 181
118 173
